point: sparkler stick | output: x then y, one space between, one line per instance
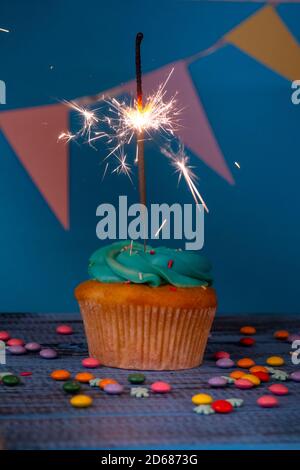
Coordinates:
140 134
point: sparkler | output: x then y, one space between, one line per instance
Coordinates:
180 161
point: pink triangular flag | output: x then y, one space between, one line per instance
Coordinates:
33 133
195 130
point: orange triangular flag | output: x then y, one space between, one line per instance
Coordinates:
265 37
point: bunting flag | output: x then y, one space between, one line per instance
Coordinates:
32 133
195 130
266 38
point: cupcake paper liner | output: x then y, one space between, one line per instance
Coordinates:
146 337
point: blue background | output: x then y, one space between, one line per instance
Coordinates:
252 231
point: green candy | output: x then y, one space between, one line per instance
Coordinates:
136 378
71 387
11 380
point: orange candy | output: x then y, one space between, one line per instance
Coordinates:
281 334
60 374
258 369
84 377
248 330
104 382
237 374
245 363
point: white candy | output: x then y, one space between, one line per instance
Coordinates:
203 410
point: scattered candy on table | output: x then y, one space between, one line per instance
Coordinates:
202 399
295 376
71 387
281 335
225 363
15 342
243 384
18 350
11 380
247 341
263 376
237 374
275 361
136 378
248 330
252 378
4 336
278 389
245 363
64 330
222 406
221 355
139 392
33 347
25 374
235 402
160 387
258 369
107 381
217 382
114 389
3 374
90 362
278 374
81 401
94 382
84 377
267 401
48 353
204 410
60 374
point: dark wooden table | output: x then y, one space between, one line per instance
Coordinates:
37 414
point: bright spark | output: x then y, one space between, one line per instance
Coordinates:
160 228
3 30
123 167
237 164
66 136
89 118
180 162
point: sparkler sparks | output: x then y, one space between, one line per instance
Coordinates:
237 165
66 136
90 120
180 162
123 167
3 30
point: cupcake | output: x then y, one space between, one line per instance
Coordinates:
147 309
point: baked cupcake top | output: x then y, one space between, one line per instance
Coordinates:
126 261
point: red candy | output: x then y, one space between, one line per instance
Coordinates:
267 401
279 389
247 341
222 406
160 387
15 342
4 336
25 374
221 355
263 376
64 330
90 362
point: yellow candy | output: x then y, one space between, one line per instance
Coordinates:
252 378
81 401
275 361
202 399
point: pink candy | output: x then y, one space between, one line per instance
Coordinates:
279 389
15 342
243 384
4 336
221 355
64 330
160 387
90 362
267 401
